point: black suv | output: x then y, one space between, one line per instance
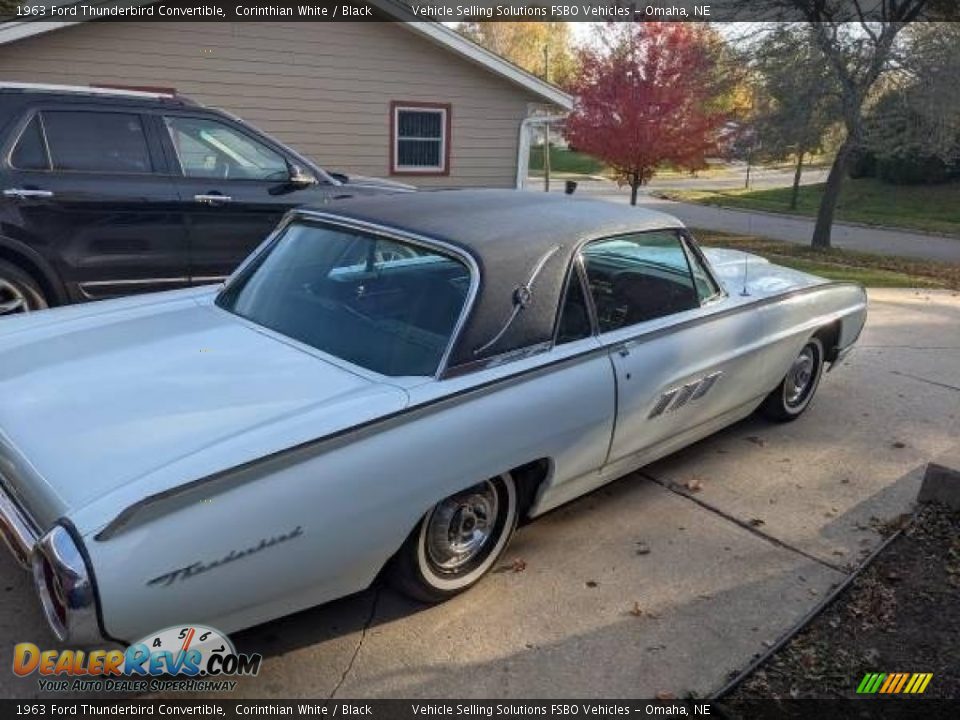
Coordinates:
110 192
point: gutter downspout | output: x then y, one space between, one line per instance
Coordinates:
523 143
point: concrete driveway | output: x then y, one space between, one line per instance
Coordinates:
667 580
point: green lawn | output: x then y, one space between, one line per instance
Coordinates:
934 208
865 268
565 162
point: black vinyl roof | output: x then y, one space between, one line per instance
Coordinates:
509 234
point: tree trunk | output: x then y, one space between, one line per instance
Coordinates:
831 194
796 181
634 187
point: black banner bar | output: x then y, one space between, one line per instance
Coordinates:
453 11
865 709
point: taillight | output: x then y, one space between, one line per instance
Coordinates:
65 586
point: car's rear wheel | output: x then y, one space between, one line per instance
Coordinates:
458 541
792 396
19 293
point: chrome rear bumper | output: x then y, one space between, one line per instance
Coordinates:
18 530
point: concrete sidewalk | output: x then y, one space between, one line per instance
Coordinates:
901 243
721 548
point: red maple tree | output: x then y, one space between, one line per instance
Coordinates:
644 99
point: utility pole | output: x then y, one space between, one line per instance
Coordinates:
546 125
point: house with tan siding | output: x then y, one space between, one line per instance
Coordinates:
409 100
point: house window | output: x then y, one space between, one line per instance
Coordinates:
420 141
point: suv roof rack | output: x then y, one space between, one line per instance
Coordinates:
89 90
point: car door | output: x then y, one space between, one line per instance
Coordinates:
92 195
233 189
674 371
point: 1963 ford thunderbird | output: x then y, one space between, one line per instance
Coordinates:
387 386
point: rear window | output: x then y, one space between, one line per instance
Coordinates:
96 142
385 305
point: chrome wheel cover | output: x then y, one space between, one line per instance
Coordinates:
800 377
12 299
461 527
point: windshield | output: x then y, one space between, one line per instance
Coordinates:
385 305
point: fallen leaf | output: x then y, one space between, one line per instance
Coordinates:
756 522
756 440
591 583
693 485
664 695
518 565
643 548
635 610
898 445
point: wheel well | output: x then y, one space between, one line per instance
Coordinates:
830 336
50 291
529 477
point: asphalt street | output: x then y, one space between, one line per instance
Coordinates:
666 581
793 229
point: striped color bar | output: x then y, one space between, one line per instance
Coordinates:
894 683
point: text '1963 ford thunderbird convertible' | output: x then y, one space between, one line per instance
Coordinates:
387 386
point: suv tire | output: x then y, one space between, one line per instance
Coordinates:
19 292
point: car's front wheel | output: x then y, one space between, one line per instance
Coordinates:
794 393
457 541
18 291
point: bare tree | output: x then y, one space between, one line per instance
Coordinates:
857 39
797 100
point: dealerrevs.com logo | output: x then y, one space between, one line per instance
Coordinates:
180 658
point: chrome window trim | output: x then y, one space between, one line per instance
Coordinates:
693 248
574 274
586 279
389 233
126 517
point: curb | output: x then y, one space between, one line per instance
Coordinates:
732 684
941 481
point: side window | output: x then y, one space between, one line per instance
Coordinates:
31 152
84 141
706 286
210 149
574 321
635 278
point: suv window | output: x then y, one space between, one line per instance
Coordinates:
31 152
634 278
210 149
86 141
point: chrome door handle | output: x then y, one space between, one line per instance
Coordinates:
24 193
212 198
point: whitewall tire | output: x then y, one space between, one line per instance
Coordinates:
458 541
792 396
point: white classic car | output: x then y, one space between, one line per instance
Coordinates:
383 387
